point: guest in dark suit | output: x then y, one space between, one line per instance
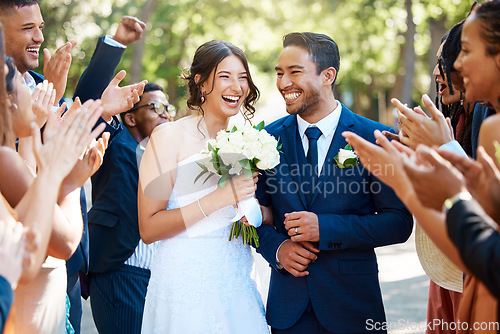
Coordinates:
328 219
91 85
23 45
119 261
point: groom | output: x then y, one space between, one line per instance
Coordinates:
328 219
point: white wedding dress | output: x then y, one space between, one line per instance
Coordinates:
200 282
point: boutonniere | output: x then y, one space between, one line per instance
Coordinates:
346 157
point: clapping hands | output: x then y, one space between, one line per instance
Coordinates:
56 67
417 128
67 142
482 179
42 101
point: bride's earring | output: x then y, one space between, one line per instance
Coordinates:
202 99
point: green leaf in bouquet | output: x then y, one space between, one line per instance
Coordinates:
200 175
248 172
350 162
234 129
210 147
348 147
202 166
245 163
280 145
208 177
260 126
223 180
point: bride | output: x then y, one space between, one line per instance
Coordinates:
200 282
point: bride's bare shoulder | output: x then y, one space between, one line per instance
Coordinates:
174 129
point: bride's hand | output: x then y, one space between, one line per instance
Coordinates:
238 189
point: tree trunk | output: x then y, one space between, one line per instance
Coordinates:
437 30
136 66
409 55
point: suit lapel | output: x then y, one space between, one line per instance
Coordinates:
291 151
346 121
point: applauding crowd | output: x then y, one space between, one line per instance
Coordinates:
152 252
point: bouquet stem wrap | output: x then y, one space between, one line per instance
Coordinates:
250 209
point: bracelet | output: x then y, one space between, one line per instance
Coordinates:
201 209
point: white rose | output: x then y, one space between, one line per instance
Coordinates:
266 138
231 153
269 158
252 150
222 137
346 154
236 138
250 135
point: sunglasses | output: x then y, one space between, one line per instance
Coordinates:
159 108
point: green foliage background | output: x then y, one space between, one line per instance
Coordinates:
370 35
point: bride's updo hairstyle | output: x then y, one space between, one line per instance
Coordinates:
207 58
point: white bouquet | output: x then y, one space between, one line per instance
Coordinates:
241 151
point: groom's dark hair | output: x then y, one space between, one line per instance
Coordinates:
323 50
8 4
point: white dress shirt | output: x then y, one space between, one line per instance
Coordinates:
327 125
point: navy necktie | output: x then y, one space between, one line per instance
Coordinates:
313 133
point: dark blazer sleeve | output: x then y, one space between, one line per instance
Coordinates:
6 298
478 242
98 75
99 72
91 85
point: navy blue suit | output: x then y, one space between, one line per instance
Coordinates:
113 218
117 291
6 298
356 213
479 115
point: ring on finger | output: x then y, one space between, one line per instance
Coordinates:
296 230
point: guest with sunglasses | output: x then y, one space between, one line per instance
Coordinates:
119 266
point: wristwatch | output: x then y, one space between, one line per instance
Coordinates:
461 196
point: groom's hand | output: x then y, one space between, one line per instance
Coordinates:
302 226
296 256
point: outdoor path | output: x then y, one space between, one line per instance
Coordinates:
403 282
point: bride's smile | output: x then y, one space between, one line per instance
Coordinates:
226 88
